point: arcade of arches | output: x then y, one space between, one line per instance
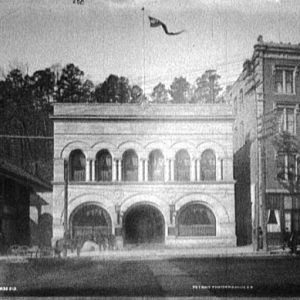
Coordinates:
155 168
142 223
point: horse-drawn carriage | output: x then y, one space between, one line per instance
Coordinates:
104 242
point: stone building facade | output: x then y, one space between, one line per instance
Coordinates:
266 102
153 173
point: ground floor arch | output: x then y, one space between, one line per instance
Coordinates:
195 219
90 221
143 223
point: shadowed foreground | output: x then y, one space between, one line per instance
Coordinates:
235 276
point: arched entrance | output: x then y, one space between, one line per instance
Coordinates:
195 219
90 221
143 223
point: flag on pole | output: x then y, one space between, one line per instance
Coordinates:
156 23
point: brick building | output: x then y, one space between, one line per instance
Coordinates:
155 173
266 101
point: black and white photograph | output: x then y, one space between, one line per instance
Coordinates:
149 149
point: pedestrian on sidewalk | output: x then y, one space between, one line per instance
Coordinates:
293 241
260 238
286 238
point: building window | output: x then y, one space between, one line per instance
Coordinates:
103 166
284 81
130 166
288 167
292 213
182 166
156 166
196 220
208 165
77 164
273 224
286 118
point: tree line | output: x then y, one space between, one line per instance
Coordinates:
69 84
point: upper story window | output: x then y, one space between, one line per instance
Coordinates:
77 164
103 166
156 166
288 167
182 166
284 81
286 118
208 165
130 166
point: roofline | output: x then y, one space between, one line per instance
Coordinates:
140 118
25 178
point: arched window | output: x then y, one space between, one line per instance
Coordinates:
90 222
77 163
156 166
130 166
182 166
208 165
103 166
196 220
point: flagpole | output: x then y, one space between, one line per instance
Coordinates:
144 60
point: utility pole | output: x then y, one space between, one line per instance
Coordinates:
66 181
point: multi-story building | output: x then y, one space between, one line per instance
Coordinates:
147 173
266 99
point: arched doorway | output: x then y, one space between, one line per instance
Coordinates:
195 219
143 223
90 221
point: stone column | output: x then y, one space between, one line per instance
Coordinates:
218 169
140 170
114 170
93 170
167 175
172 169
198 169
146 169
120 169
192 170
87 170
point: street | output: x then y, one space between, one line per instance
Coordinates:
235 276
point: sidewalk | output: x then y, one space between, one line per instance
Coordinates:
167 253
162 252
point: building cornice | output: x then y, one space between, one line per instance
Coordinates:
149 183
116 111
140 118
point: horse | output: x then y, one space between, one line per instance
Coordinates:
106 242
63 244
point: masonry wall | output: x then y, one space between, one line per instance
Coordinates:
193 129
